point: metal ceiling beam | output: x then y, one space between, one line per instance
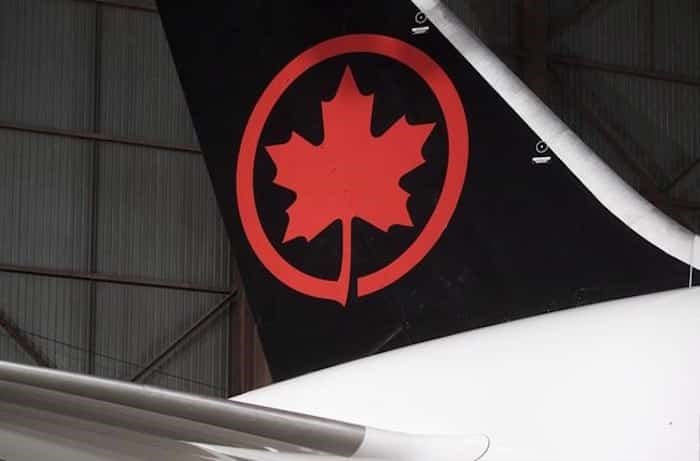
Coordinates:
219 307
93 136
122 4
23 341
109 278
127 5
576 61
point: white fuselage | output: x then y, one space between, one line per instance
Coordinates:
613 381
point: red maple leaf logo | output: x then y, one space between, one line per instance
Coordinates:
351 174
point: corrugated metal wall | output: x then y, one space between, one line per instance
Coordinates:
101 177
101 182
639 76
140 94
46 54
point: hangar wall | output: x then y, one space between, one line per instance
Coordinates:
113 257
111 247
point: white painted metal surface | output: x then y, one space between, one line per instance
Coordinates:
614 381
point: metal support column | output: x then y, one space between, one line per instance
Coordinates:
213 312
241 351
110 278
26 344
576 61
97 96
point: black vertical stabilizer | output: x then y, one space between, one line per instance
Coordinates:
363 222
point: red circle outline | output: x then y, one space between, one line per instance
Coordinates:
458 154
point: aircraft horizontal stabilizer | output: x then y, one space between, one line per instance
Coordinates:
43 411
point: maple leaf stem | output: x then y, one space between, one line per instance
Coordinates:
345 264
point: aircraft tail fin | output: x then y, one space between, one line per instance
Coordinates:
385 179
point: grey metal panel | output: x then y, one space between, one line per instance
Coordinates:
11 352
491 20
52 313
559 9
134 324
670 116
158 217
46 62
677 37
45 198
567 98
141 93
659 119
657 122
156 213
203 360
616 33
